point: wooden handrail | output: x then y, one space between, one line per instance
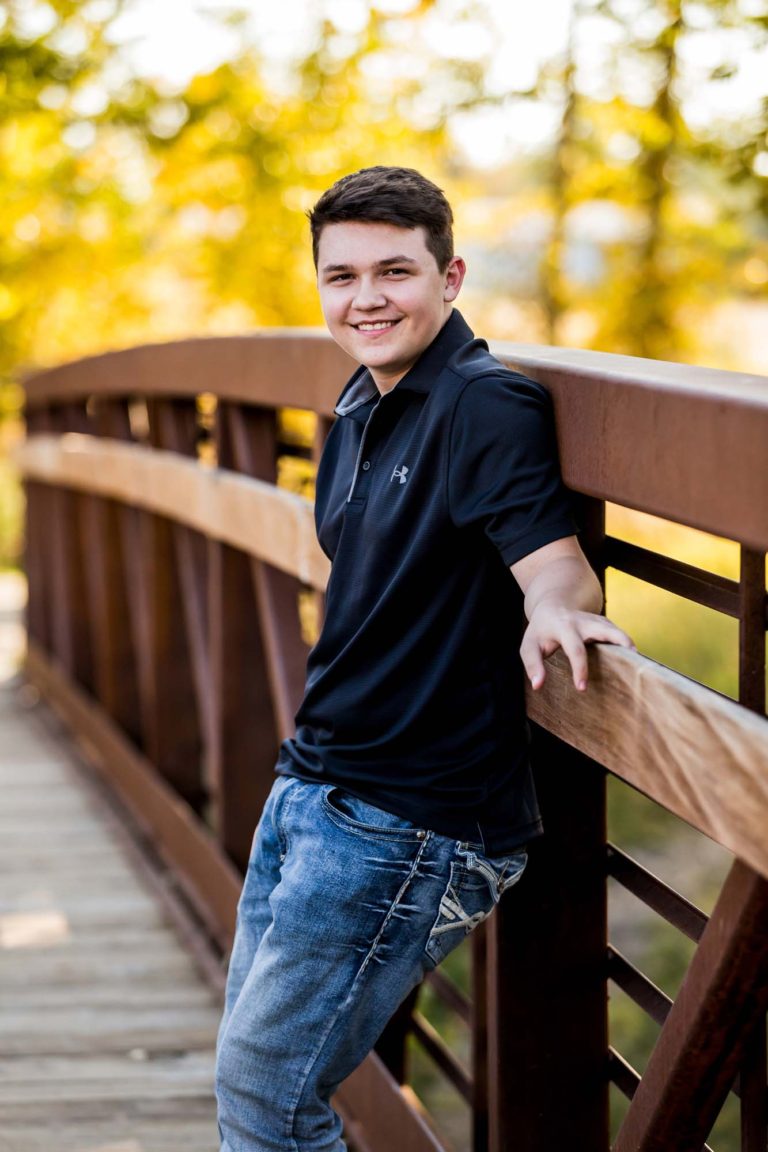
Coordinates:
289 368
678 441
265 521
695 752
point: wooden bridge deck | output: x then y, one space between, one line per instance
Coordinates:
107 1026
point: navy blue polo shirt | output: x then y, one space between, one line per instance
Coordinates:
414 697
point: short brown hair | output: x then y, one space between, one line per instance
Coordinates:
400 196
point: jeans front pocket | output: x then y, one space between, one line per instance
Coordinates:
357 816
474 888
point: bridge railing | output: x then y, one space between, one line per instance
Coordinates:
175 588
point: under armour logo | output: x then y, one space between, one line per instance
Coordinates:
400 474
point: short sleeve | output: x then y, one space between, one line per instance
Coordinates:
503 469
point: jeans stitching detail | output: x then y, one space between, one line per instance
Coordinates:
395 903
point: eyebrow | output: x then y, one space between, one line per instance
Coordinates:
389 260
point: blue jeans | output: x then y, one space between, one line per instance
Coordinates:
343 910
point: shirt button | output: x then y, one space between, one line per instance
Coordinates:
366 465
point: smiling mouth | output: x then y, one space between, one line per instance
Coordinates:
375 325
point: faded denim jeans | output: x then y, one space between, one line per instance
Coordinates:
343 910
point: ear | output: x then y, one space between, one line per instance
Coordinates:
454 278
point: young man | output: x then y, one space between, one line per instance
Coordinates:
404 803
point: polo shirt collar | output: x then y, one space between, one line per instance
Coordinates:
360 389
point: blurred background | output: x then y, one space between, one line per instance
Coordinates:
608 165
607 159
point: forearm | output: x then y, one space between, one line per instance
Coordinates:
566 583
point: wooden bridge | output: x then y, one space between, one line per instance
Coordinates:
174 588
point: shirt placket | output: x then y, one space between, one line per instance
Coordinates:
362 475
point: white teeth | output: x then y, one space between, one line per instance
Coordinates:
375 327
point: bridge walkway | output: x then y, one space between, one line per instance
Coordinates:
107 1023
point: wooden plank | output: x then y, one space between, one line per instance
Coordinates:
22 806
45 1080
100 1135
97 911
700 755
65 882
34 772
267 522
82 1029
79 834
67 1112
94 961
78 860
115 938
142 994
115 1133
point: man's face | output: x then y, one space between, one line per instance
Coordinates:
383 296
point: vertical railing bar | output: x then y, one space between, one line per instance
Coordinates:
170 722
71 624
37 545
480 1046
115 675
177 430
254 453
752 624
245 733
752 684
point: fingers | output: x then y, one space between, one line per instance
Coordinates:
535 648
602 630
533 659
575 650
571 635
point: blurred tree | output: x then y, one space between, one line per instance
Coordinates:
136 211
680 206
247 162
68 180
553 289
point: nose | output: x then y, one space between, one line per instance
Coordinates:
368 295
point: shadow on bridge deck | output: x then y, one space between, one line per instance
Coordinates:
107 1028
